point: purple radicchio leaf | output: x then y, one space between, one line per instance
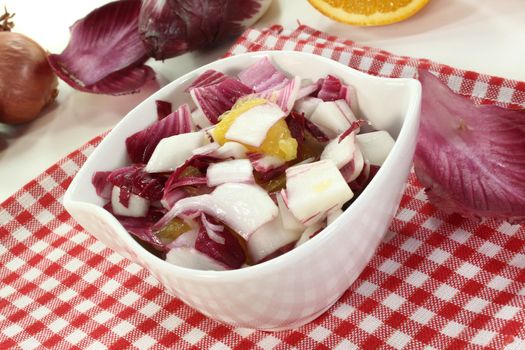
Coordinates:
470 158
101 183
285 96
179 186
215 99
266 170
209 77
172 27
133 179
300 128
171 197
141 229
355 125
262 76
332 89
298 125
164 109
364 178
140 146
219 243
105 54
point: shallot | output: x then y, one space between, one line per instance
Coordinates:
27 82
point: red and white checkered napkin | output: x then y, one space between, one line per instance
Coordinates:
437 281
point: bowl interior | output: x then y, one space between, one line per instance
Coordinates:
382 101
385 102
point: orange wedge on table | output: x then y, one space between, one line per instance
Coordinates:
368 12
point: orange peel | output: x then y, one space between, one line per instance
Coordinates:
368 12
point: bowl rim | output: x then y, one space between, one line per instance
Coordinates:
411 116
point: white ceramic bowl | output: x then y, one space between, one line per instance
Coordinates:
297 287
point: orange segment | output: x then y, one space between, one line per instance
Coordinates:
173 230
278 142
368 12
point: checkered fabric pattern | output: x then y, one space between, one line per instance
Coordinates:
437 281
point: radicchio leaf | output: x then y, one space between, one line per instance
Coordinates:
332 89
352 170
133 179
198 161
229 253
368 173
102 185
285 96
263 163
218 98
209 77
353 127
188 181
243 207
169 198
266 167
471 158
163 109
141 228
179 184
177 188
298 125
310 139
263 76
140 146
172 27
105 54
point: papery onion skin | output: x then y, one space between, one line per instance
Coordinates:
27 82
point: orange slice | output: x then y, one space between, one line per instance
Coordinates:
368 12
278 142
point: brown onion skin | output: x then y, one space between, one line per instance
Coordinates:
27 82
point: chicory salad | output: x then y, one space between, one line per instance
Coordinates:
252 166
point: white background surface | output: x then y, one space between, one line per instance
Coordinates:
481 35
